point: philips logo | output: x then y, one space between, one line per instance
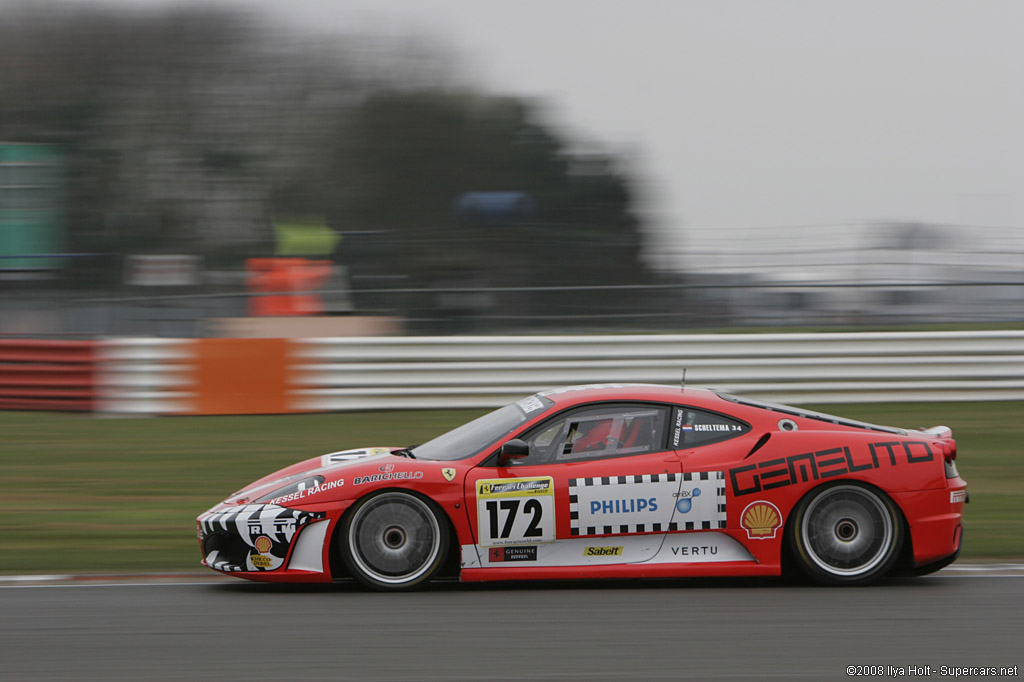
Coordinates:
626 506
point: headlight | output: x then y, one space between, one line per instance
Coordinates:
292 491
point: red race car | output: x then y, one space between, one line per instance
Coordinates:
607 481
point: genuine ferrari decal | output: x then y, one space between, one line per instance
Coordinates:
812 466
448 473
648 503
515 511
761 520
503 554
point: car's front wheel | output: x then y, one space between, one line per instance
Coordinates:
845 534
394 541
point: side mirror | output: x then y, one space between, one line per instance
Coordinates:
514 449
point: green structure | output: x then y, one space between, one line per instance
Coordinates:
32 207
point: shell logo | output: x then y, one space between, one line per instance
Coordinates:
263 544
761 520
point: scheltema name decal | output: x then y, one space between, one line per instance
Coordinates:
648 503
813 466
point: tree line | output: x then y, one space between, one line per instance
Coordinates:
193 130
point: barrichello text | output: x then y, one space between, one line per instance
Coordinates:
390 476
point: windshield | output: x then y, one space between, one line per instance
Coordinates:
469 439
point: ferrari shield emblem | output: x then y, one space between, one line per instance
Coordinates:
448 473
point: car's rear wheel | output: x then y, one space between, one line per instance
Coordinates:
394 541
845 534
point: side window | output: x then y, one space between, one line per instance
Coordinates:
598 432
691 428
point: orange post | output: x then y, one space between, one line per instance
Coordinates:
242 376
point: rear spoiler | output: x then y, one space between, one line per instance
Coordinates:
940 432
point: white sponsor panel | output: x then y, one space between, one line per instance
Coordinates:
649 503
699 548
622 504
575 552
680 548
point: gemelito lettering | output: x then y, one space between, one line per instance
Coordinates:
814 466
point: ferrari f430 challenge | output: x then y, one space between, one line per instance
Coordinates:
606 481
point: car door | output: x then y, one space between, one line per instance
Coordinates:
707 443
599 486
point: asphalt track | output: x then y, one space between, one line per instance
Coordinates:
221 629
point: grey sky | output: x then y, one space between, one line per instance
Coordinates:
745 114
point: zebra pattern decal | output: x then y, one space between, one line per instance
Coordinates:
266 529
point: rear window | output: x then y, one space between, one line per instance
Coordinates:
692 427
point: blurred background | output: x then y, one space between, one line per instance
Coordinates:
389 168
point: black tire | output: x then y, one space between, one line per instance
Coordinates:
845 534
394 541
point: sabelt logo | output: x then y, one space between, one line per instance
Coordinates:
602 551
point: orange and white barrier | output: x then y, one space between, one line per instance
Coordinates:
275 376
194 376
47 375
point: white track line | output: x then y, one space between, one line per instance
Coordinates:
171 580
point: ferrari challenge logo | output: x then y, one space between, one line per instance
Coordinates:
448 473
761 520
